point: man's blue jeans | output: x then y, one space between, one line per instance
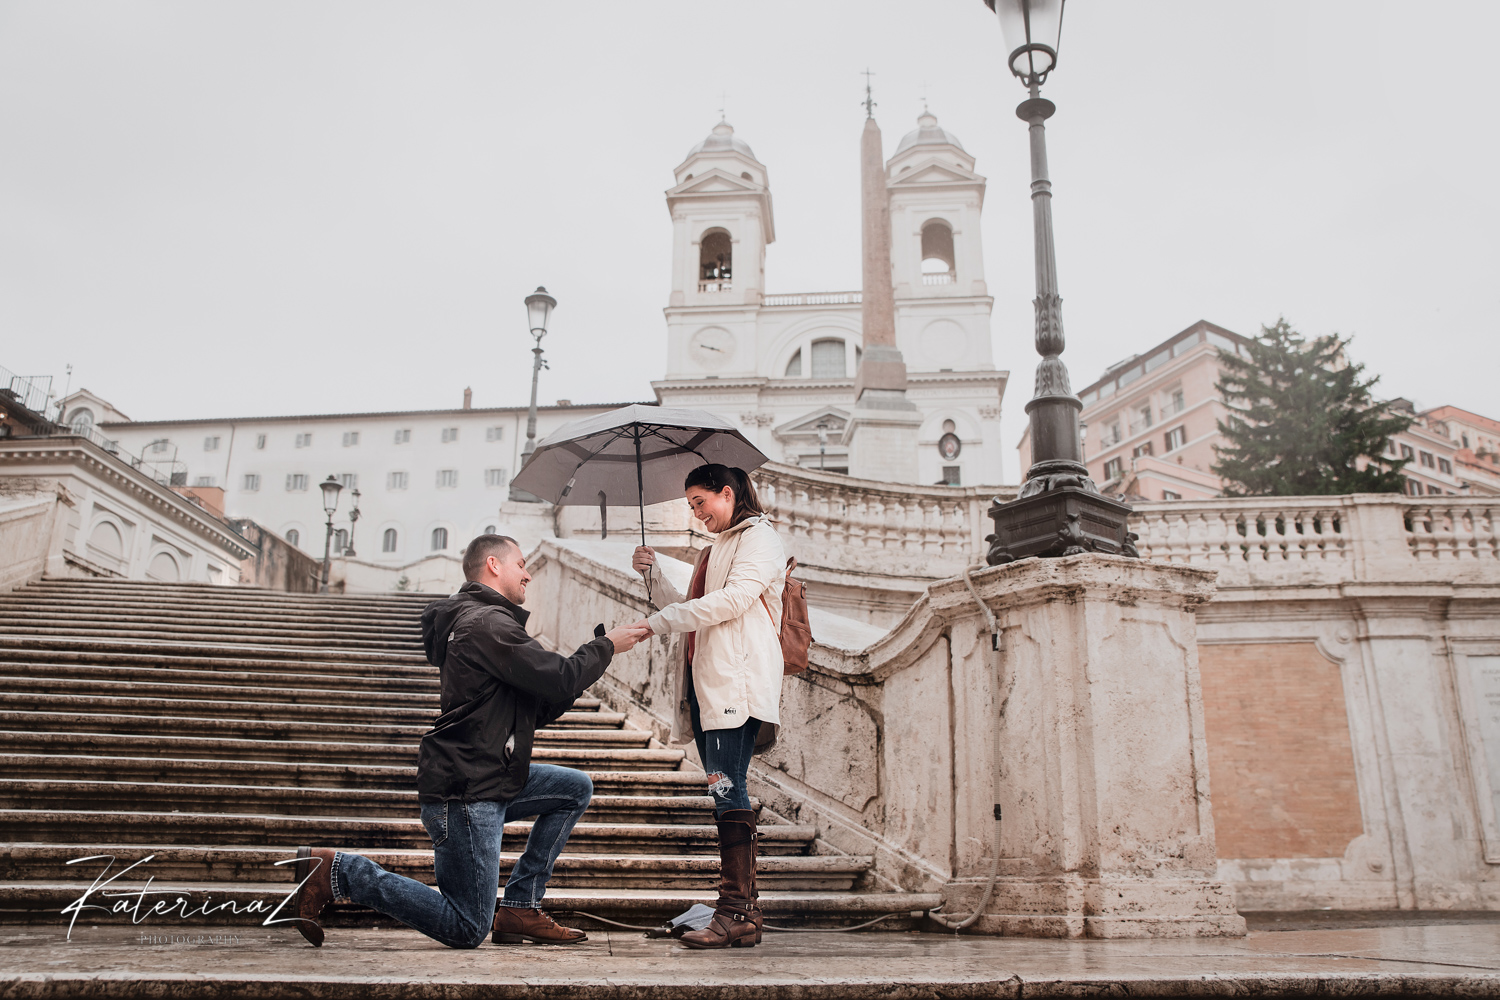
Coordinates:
466 847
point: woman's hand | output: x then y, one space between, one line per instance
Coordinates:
625 637
643 623
644 559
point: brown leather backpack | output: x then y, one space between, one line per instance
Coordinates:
796 632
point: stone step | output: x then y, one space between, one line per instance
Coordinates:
54 655
15 605
42 902
276 729
62 826
58 694
38 647
331 752
231 866
205 690
223 633
137 590
299 774
390 803
389 689
401 627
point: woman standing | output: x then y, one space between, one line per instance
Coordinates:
729 683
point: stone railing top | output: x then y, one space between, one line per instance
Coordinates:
779 474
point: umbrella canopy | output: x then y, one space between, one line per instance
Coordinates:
635 455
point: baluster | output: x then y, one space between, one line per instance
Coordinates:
1197 530
1442 533
1223 540
1419 536
1465 535
1486 545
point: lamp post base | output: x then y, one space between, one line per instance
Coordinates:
1064 521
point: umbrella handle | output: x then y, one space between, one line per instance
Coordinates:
640 496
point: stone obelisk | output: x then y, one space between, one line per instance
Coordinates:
882 433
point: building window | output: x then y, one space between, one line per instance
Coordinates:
1144 448
937 254
1434 491
952 475
1413 487
1176 438
490 529
350 480
439 539
403 436
1169 495
1428 461
251 482
794 366
715 261
1407 452
1445 467
204 481
304 440
388 540
81 421
493 434
260 442
1176 403
340 539
296 482
160 445
1140 418
450 434
828 359
447 479
396 480
1113 468
494 477
211 443
1112 433
1465 439
351 439
293 537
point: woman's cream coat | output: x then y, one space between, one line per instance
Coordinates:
737 666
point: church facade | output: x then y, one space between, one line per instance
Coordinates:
782 366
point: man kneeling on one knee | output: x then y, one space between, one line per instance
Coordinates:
474 770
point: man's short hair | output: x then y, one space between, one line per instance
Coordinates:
481 548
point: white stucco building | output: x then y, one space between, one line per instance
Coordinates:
781 364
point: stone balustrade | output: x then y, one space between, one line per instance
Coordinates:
1329 540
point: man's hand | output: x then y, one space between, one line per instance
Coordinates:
644 559
626 636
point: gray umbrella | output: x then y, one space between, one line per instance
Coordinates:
637 455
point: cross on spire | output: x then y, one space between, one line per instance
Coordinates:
723 103
869 101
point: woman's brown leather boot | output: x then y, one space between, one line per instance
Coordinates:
737 918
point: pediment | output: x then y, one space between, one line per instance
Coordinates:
807 424
934 172
716 181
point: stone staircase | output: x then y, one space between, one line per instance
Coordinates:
215 729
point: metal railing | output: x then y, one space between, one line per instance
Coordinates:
30 391
164 471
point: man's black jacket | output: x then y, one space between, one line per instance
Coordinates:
499 685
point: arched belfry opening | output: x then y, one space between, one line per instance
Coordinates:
937 253
715 261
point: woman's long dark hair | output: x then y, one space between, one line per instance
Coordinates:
714 478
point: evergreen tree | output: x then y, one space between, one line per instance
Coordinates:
1300 418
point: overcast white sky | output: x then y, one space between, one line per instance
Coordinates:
247 208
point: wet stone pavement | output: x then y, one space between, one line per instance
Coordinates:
1331 957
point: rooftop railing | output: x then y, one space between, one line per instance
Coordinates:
814 299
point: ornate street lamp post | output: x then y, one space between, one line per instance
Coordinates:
331 488
539 306
1060 511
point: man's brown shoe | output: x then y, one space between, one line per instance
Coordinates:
314 873
514 925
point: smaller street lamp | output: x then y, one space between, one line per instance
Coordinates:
539 306
331 488
353 520
822 442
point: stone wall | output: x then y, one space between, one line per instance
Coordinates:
276 564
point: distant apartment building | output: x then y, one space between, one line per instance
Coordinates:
1150 427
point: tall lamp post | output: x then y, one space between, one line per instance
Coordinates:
539 306
1060 510
353 521
331 488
